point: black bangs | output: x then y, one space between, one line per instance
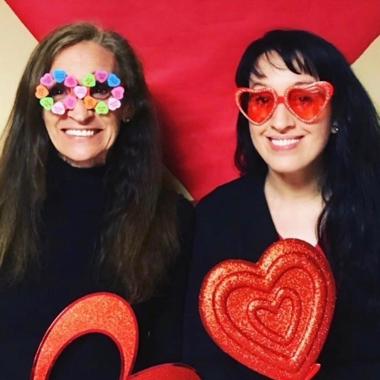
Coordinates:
293 59
301 51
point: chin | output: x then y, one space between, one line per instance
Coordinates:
285 167
303 170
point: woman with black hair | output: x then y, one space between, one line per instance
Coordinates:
85 207
308 143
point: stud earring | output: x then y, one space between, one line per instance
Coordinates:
126 115
334 128
125 119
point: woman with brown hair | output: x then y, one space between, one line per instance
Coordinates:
84 206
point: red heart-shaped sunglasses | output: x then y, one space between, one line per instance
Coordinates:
306 102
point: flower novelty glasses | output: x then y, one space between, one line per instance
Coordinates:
306 102
59 92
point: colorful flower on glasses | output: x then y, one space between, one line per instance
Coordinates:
113 80
89 80
58 108
118 92
70 81
59 75
80 91
70 102
101 108
47 103
90 102
113 103
41 92
101 76
47 80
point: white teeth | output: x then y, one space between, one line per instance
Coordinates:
80 132
284 142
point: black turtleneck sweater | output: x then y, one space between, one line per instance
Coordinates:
72 218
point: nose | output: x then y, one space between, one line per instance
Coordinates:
80 113
282 120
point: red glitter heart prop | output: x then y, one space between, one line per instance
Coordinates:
272 316
108 314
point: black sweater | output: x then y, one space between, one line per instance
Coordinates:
234 222
72 217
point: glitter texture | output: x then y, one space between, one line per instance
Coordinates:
272 316
108 314
173 371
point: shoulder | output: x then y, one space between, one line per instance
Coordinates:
185 222
234 221
175 207
228 215
231 196
185 208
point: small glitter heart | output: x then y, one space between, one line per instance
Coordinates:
47 80
118 92
47 103
101 76
70 102
80 91
101 108
90 102
59 75
58 108
113 104
41 91
89 80
70 81
113 80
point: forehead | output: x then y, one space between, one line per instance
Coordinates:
83 58
275 72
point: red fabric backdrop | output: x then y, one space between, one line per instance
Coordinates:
190 50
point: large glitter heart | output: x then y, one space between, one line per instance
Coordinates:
272 316
108 314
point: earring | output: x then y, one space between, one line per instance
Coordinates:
126 115
335 128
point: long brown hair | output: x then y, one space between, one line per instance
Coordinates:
139 237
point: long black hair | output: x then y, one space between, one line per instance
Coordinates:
350 185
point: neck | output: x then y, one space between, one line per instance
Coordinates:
295 203
82 164
293 185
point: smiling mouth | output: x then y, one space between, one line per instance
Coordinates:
81 132
284 142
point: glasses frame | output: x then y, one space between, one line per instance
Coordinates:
327 87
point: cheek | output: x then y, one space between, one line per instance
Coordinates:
325 139
325 121
46 117
324 128
255 132
50 120
113 127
